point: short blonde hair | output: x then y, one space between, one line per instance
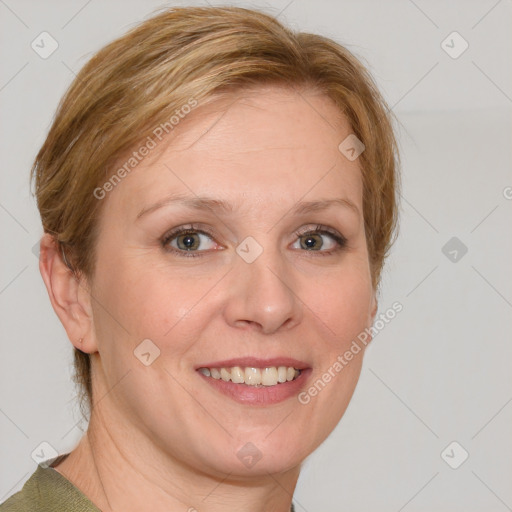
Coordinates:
140 80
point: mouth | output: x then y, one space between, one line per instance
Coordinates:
256 381
251 376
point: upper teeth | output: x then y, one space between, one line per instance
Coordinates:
253 376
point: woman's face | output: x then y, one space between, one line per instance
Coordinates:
260 284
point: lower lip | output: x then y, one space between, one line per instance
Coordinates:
264 395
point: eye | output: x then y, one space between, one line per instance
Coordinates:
312 240
191 241
185 241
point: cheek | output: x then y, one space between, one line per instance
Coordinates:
145 299
341 301
343 306
146 302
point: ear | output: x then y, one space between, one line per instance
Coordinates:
373 307
69 295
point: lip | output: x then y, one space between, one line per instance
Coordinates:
256 362
253 395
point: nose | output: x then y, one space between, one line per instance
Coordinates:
262 295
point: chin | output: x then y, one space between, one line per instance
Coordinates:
251 462
263 452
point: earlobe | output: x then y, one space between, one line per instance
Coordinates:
68 296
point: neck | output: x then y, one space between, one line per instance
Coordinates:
118 468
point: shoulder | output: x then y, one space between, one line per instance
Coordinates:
27 498
46 491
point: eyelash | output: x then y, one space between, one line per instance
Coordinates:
192 229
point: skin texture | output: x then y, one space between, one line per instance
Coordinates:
161 437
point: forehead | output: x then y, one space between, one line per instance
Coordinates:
262 118
260 143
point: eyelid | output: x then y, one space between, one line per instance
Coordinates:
338 237
196 228
201 229
319 228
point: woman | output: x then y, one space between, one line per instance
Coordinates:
218 196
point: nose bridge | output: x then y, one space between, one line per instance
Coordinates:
262 288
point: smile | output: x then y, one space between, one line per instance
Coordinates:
251 376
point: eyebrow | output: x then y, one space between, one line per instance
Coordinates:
218 205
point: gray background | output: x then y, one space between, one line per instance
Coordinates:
439 372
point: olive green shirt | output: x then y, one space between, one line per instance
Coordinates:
48 491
